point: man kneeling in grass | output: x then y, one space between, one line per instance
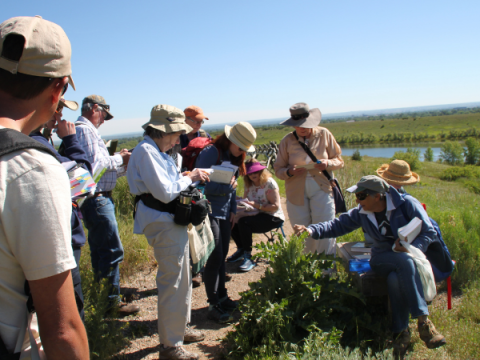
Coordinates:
380 214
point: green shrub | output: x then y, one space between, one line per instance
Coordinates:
411 156
295 298
356 155
472 152
452 153
428 156
455 172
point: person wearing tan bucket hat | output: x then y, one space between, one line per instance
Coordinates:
231 147
398 174
35 206
308 191
156 181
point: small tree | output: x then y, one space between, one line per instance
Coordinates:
428 156
411 156
452 153
356 155
472 152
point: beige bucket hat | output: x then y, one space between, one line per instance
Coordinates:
302 116
72 105
47 50
168 119
242 134
398 173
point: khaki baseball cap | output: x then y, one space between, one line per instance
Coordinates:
194 112
47 50
99 100
168 119
372 183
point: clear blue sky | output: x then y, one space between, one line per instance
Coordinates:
252 60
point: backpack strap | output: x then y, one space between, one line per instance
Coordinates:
13 140
202 133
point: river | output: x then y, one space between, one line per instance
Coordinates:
386 151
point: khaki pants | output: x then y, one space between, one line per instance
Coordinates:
170 245
318 207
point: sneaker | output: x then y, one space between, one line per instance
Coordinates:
219 314
193 335
430 336
401 342
176 353
236 256
248 264
197 280
228 304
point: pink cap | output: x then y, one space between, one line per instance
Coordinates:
254 167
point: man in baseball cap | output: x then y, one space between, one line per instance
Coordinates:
35 205
194 117
102 104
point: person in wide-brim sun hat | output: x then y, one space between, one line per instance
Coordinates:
398 173
242 134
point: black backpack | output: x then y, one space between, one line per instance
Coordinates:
10 141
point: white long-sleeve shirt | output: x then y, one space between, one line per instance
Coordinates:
154 172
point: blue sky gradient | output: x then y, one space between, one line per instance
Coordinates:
253 59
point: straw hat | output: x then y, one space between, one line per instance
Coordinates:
398 173
242 134
168 119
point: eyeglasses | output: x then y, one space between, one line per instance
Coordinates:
64 90
197 122
361 196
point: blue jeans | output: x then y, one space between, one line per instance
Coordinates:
106 250
77 282
404 286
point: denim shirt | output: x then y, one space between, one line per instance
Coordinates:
357 217
221 196
152 171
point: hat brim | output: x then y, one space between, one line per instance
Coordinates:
70 81
228 130
170 128
200 117
255 168
382 172
355 189
109 114
312 121
72 105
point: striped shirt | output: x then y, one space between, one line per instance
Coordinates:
93 145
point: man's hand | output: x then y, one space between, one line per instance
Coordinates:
65 128
300 229
125 156
399 247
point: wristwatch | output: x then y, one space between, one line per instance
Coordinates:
288 174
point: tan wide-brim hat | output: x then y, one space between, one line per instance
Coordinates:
72 105
168 119
398 173
242 134
302 116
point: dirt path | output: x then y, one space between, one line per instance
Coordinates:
143 286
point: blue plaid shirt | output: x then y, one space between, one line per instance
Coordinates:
96 151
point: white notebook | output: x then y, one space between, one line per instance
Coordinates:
409 232
222 174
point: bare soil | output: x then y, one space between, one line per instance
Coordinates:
143 290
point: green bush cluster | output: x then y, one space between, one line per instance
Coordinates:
295 298
411 156
356 155
455 172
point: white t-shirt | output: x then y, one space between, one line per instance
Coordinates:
259 194
35 232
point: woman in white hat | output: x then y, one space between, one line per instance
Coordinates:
154 177
309 193
232 147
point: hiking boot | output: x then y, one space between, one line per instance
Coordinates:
400 343
122 309
430 336
197 280
236 256
228 304
248 264
193 335
219 314
176 353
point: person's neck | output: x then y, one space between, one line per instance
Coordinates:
380 206
191 135
257 183
21 115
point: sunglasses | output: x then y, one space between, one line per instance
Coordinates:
198 122
64 90
361 196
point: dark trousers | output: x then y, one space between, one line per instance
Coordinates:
77 282
214 274
243 231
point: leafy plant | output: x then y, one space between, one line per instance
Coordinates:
452 153
356 155
295 298
411 156
472 152
428 155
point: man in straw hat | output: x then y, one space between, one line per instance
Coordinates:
156 182
35 203
106 250
73 152
381 212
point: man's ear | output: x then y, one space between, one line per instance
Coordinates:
57 89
